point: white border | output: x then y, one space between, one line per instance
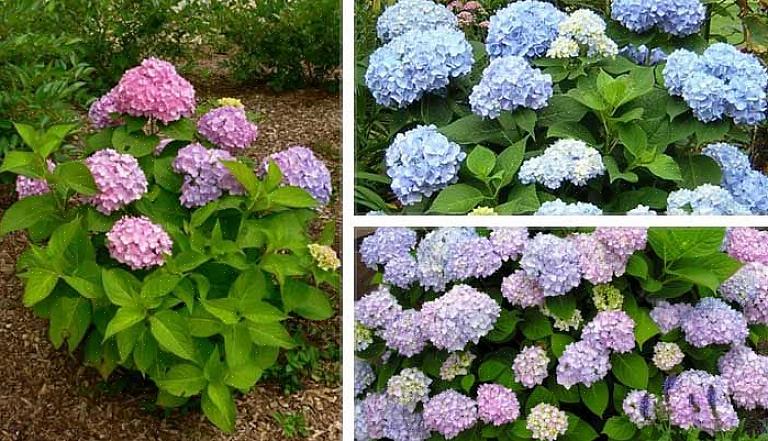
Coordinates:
557 221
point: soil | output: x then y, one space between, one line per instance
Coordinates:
46 394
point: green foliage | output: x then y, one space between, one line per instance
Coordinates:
292 424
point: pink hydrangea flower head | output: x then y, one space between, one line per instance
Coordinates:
205 176
301 168
403 334
622 241
138 243
472 6
119 180
747 245
228 128
496 404
746 375
450 413
162 145
509 242
597 262
611 331
155 90
32 186
584 363
530 366
101 110
522 290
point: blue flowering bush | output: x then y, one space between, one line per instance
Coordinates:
610 333
635 106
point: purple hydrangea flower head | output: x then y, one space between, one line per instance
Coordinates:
640 407
119 180
228 128
421 162
413 15
706 199
301 168
364 376
138 243
377 309
33 186
383 417
622 241
712 321
546 422
385 244
746 375
409 387
205 176
669 316
611 331
474 257
496 404
432 255
526 28
699 400
416 63
560 208
509 242
746 284
747 245
596 262
101 110
582 362
530 366
154 90
401 271
554 262
522 290
450 413
508 83
567 160
361 431
460 316
404 334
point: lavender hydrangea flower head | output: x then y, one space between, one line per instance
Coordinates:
432 255
301 168
700 400
560 208
409 387
413 15
546 422
138 243
525 28
640 407
26 187
404 334
667 355
706 199
678 17
508 83
415 63
364 376
746 284
377 309
611 331
622 241
228 128
746 375
669 316
747 245
101 110
470 258
460 316
496 404
205 176
119 180
383 417
401 271
582 362
521 290
712 321
361 431
421 162
530 366
509 242
385 244
596 262
554 262
450 413
567 160
154 90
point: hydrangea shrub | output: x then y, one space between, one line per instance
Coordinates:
640 108
609 333
160 251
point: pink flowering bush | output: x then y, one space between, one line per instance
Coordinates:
156 249
669 345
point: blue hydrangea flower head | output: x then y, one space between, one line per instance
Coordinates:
676 17
385 244
432 255
704 95
421 162
417 62
566 160
413 15
732 160
644 56
524 28
553 262
705 199
560 208
635 15
681 64
510 82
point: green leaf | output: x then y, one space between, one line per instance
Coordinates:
694 274
159 284
559 342
181 130
456 199
645 327
270 334
126 341
614 174
225 309
665 167
675 243
84 287
619 428
124 318
293 197
491 369
145 352
219 406
203 324
579 430
187 261
571 129
535 325
630 369
306 300
164 175
505 326
467 382
23 163
28 134
540 394
436 110
562 307
481 161
595 397
171 332
697 170
120 286
237 345
75 175
588 98
522 199
561 108
472 129
183 380
509 161
70 319
26 212
38 286
635 140
244 175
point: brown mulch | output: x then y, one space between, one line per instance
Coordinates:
46 394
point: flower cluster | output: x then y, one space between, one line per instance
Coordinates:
560 208
385 244
119 180
228 128
469 13
496 404
432 255
554 263
413 15
301 168
749 288
746 375
138 243
582 362
381 416
747 245
667 355
522 290
530 366
449 413
676 17
607 297
457 364
509 242
669 316
324 256
473 257
640 407
364 376
101 111
567 160
712 321
409 387
526 28
421 162
582 29
26 187
749 187
611 331
700 400
508 83
721 82
415 63
546 422
704 200
205 176
377 309
644 56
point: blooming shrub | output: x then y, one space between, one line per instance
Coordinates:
662 347
172 258
564 111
